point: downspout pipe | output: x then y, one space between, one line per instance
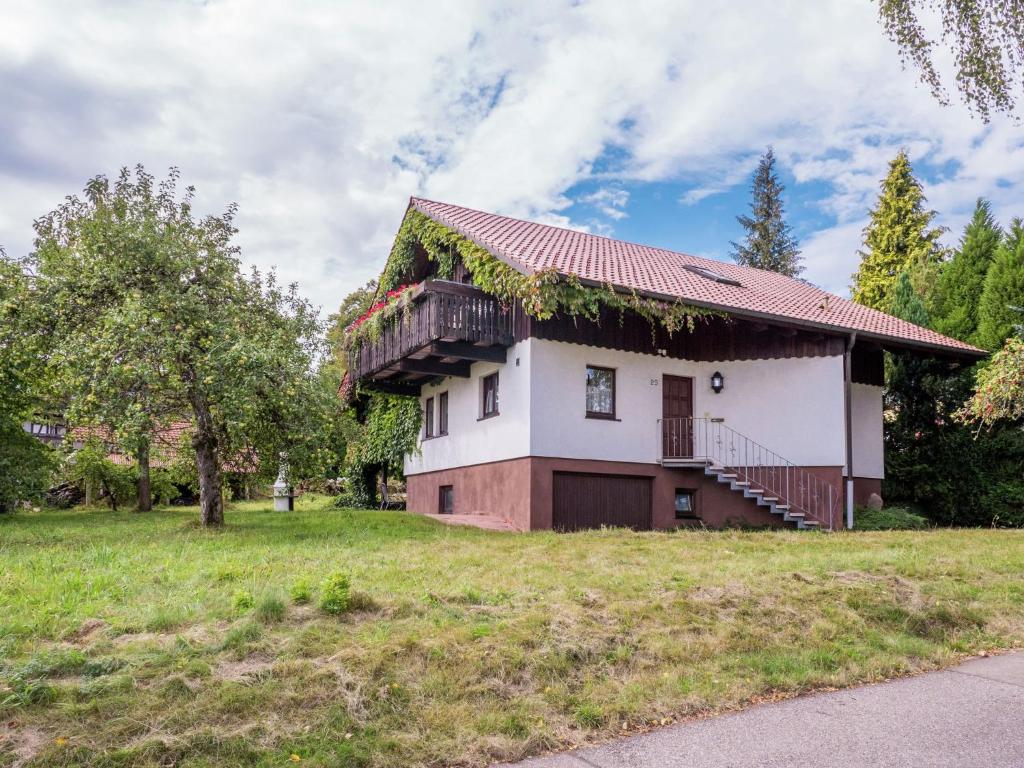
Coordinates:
848 401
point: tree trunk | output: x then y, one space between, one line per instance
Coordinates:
211 502
384 500
369 483
145 493
211 499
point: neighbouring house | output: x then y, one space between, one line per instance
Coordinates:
47 428
166 445
613 409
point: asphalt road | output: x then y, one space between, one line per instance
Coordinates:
971 715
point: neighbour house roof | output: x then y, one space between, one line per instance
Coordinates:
164 449
167 441
742 291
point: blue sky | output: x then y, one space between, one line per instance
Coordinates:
640 120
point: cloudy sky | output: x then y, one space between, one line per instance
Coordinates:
640 120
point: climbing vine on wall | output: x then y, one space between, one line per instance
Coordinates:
541 294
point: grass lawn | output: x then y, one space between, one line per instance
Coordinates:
129 640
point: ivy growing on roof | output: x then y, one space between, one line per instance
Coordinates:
542 294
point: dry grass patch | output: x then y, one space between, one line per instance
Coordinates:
123 635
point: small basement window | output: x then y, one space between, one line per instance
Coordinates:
446 500
685 508
711 274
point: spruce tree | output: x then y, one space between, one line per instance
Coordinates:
769 243
999 311
963 277
898 238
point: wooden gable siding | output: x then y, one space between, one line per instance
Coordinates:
712 339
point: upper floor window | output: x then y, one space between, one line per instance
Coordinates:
442 414
490 396
600 392
428 418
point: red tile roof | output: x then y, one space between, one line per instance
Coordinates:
529 247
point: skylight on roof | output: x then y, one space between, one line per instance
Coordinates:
711 274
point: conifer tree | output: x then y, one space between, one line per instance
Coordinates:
898 238
1000 309
963 278
769 243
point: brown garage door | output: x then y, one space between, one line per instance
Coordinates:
590 501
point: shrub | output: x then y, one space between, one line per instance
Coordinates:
270 609
888 519
334 593
243 600
301 592
588 715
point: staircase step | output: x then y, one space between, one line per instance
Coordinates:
782 506
769 498
725 476
741 482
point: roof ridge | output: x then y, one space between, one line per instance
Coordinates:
705 259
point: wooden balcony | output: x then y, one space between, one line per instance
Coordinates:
450 326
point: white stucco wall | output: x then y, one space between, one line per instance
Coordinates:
868 453
471 440
792 406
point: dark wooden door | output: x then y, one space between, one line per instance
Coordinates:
589 501
676 416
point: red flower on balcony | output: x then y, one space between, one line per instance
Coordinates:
390 298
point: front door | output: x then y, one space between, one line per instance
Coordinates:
676 417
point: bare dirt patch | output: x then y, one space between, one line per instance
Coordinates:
241 671
23 743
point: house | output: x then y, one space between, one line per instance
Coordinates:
167 443
655 390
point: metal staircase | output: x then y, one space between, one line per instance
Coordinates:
800 497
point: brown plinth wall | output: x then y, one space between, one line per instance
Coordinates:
520 492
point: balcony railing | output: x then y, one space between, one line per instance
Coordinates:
710 442
459 316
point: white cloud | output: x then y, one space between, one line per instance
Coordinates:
321 119
610 201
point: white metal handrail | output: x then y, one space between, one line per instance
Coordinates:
710 441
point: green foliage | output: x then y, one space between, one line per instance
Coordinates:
932 460
999 388
769 242
26 464
962 279
391 430
243 600
90 466
271 608
352 306
898 238
888 519
334 593
301 592
986 38
1000 311
153 319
